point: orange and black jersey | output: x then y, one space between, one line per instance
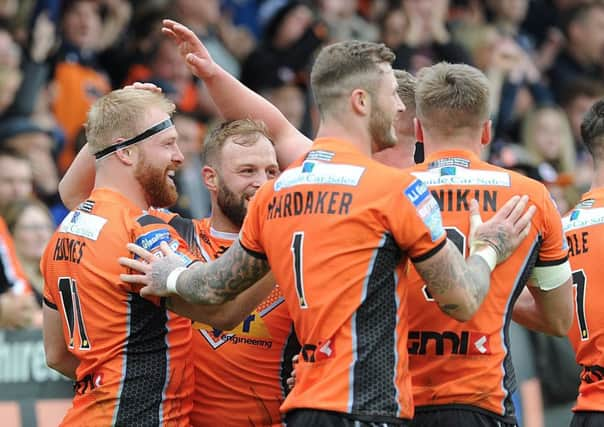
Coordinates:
469 364
336 227
134 353
239 374
584 228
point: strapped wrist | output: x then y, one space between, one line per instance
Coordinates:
173 278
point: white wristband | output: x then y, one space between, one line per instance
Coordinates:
488 254
172 278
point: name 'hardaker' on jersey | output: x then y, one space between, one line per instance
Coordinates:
309 203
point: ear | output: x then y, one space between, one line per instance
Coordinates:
360 102
125 155
210 178
419 131
485 137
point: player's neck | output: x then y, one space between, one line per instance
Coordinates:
220 222
434 146
125 185
354 134
598 178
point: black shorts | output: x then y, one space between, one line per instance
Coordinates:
316 418
451 417
587 419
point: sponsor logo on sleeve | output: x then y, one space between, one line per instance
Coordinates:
427 208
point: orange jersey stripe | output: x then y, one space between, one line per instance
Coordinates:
469 363
584 228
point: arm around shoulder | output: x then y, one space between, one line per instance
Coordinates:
230 314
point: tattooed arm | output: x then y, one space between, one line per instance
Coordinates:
459 286
213 283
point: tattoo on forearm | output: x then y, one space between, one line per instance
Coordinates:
451 272
222 279
499 239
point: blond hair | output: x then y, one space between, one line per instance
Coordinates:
567 157
246 132
343 67
452 97
406 88
118 115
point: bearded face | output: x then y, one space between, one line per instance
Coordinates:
234 206
380 127
160 190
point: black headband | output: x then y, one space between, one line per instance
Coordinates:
138 138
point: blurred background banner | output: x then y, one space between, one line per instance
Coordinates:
31 394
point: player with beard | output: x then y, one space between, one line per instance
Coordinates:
129 355
239 372
337 228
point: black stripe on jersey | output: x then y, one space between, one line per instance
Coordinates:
374 391
186 228
50 304
255 254
509 377
145 364
431 252
149 219
290 349
541 263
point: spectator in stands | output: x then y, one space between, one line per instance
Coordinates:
17 304
24 136
582 56
194 198
227 43
547 137
16 176
344 22
78 76
31 225
291 35
427 39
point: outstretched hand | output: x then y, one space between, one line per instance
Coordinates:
192 50
506 230
154 269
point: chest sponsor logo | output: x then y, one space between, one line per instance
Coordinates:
83 224
252 331
448 342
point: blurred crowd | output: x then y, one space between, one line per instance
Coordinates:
544 60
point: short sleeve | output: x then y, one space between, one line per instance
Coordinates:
554 248
415 220
48 296
250 234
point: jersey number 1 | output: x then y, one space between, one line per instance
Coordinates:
297 251
580 282
73 311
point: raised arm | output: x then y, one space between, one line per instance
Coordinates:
78 181
460 285
233 99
